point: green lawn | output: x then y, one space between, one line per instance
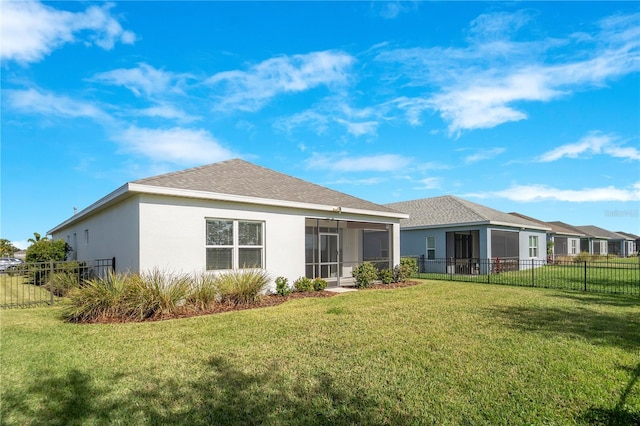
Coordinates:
13 292
440 352
622 277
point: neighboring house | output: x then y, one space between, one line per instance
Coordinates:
617 244
634 247
591 242
233 215
466 233
565 241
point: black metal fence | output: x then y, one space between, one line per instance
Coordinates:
42 283
611 276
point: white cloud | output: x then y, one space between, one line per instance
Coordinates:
531 193
30 30
429 183
48 104
486 154
359 129
252 89
167 111
144 79
176 145
317 121
592 144
346 163
486 84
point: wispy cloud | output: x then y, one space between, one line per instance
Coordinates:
486 154
348 163
532 193
167 111
250 90
486 83
592 144
176 145
32 101
143 80
361 128
429 183
30 30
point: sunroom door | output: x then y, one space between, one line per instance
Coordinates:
329 255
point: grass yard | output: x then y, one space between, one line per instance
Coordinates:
622 276
440 352
14 292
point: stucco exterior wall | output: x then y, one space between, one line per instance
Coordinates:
106 234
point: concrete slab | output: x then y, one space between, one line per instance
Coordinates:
339 289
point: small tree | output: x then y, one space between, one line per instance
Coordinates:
46 250
7 249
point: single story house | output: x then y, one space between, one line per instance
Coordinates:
592 241
455 235
231 215
617 244
635 247
565 242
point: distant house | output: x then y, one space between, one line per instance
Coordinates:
233 215
633 248
565 242
465 233
592 242
617 244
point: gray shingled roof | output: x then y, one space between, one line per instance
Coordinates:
601 232
450 210
555 228
239 177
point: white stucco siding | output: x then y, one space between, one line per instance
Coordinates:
106 234
173 234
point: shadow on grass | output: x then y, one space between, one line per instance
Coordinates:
620 414
222 395
580 322
600 299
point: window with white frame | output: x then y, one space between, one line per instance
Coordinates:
234 244
574 247
431 247
533 246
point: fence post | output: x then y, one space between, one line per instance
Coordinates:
533 280
113 264
585 275
51 280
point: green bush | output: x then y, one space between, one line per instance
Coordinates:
204 291
582 257
242 286
101 297
365 274
319 284
156 292
407 268
47 251
303 284
386 276
282 286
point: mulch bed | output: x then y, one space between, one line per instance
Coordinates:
264 302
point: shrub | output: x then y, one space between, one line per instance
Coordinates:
100 297
47 250
242 286
156 292
319 284
407 268
365 274
282 286
386 276
583 256
303 284
204 291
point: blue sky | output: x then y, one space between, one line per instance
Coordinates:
531 107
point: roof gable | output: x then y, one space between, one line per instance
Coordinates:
555 228
450 210
601 232
241 178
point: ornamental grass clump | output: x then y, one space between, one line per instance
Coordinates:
101 297
155 293
204 291
241 287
